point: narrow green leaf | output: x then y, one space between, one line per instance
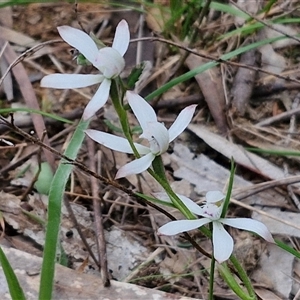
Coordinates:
228 9
287 248
15 289
209 65
135 75
232 283
229 190
56 195
155 200
275 152
34 111
250 28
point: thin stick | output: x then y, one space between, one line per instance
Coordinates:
100 238
249 207
216 59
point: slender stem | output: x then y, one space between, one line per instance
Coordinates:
211 278
229 190
231 282
212 273
114 94
243 276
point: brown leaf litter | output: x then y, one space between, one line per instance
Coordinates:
239 106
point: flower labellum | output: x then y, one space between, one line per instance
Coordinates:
211 213
158 136
108 60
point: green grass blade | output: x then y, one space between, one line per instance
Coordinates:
23 2
229 190
209 65
249 28
34 111
154 200
15 289
56 194
228 9
287 248
275 152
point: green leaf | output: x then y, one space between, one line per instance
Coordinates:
229 190
228 9
56 195
159 169
287 248
82 61
15 289
44 180
250 28
275 152
34 111
135 75
155 200
210 65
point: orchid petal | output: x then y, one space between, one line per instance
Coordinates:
214 196
175 227
79 40
222 243
109 62
142 109
181 122
70 81
122 37
158 137
98 100
190 204
250 225
114 142
211 211
135 167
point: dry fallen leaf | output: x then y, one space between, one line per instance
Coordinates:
210 83
230 150
70 284
243 82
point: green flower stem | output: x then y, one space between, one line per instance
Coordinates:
176 201
162 180
114 94
243 276
234 261
231 282
212 278
212 272
229 190
56 195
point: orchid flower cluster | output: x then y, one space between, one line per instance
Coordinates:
110 63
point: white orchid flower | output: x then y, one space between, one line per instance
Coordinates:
211 213
156 133
108 60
